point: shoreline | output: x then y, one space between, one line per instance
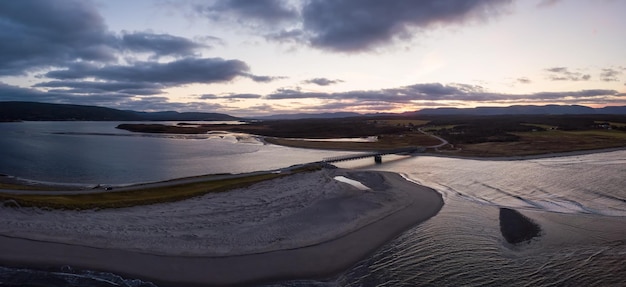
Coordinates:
55 186
317 261
527 157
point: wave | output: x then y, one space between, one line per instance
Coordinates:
65 276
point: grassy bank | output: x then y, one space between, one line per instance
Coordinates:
166 192
383 142
544 142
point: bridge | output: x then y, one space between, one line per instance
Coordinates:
376 155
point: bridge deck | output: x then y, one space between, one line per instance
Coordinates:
406 150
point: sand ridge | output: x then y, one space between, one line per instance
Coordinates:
303 226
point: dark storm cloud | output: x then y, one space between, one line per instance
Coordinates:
38 34
564 74
267 11
322 81
349 25
101 86
179 72
112 100
163 104
159 44
610 75
14 93
70 39
356 25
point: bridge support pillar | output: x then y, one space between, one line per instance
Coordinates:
378 159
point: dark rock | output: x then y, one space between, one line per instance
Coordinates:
516 227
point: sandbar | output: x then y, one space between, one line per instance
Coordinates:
319 239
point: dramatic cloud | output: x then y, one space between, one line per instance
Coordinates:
284 100
349 25
91 87
14 93
159 44
437 92
39 34
265 11
564 74
357 25
610 75
322 81
180 72
112 100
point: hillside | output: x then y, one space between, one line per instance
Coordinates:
524 110
32 111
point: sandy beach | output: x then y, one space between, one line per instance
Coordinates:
308 225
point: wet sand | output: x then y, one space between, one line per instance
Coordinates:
315 261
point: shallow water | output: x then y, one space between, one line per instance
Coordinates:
578 201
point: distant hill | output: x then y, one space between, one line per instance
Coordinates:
188 116
32 111
309 116
619 110
523 110
479 111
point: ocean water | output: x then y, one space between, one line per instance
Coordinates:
579 202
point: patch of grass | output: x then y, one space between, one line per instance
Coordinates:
437 128
554 141
402 122
23 187
615 124
384 142
542 126
141 196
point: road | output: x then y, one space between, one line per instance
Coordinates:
443 141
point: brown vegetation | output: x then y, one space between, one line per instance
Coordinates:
142 195
510 135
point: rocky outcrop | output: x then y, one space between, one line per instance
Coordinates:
516 227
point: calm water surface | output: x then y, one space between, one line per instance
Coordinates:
96 152
579 202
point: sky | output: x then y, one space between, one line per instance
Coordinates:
262 57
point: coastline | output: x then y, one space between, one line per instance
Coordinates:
316 261
77 188
525 157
